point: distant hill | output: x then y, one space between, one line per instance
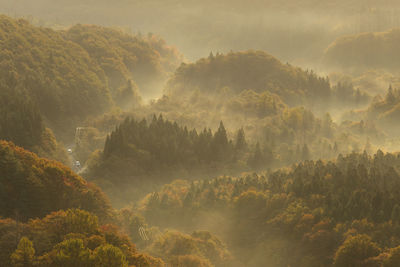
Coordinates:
56 74
255 70
85 71
32 187
145 59
365 51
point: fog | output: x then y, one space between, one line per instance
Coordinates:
199 133
293 31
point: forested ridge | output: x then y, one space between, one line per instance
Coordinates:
117 150
71 75
68 238
369 50
49 216
33 187
257 71
337 213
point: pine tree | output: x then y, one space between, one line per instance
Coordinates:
220 143
257 159
220 137
240 144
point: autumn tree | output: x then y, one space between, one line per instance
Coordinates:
355 250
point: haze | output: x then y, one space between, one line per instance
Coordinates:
199 133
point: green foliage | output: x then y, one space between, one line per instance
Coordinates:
80 221
72 252
137 150
20 121
125 56
136 147
109 256
256 70
57 75
65 77
24 255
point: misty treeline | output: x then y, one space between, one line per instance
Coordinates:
162 150
342 213
276 163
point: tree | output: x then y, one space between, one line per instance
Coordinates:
24 255
256 160
81 221
72 252
109 256
240 142
355 250
220 136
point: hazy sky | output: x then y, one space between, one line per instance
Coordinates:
295 31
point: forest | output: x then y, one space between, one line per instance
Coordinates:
199 134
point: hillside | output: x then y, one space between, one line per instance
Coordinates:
384 110
140 154
68 238
32 187
22 123
147 60
116 150
236 72
69 77
57 75
255 70
337 213
364 51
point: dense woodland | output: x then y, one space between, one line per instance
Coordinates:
343 212
62 75
263 73
116 150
